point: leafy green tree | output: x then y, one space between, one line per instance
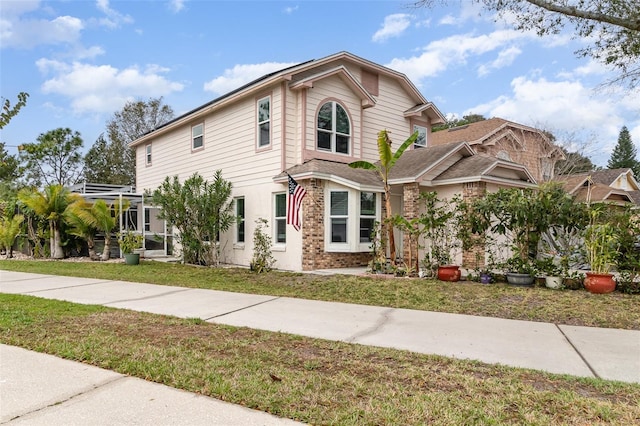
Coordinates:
110 159
51 205
8 112
10 228
610 28
200 210
624 154
55 159
387 160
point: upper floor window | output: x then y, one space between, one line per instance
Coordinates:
197 136
281 218
333 129
147 153
264 120
421 141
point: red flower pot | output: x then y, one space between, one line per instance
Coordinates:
599 283
449 273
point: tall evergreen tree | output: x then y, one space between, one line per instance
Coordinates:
624 154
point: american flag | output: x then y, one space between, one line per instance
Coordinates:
294 201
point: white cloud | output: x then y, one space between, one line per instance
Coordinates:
504 59
393 26
566 106
240 75
289 10
176 5
439 55
113 19
103 88
28 33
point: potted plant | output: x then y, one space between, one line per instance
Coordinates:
130 241
601 242
520 271
551 272
439 226
572 279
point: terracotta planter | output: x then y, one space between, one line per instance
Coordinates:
449 273
599 283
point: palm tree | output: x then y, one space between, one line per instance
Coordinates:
103 218
9 229
387 160
50 204
80 217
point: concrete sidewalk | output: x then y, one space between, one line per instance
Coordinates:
40 389
581 351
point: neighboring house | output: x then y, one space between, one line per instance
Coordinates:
311 121
509 141
610 185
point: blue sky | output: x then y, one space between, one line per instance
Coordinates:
80 61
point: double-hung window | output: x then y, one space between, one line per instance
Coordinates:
350 218
280 218
197 136
333 129
421 141
240 223
339 214
147 153
264 120
367 215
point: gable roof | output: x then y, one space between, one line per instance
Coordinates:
432 166
288 75
604 177
599 192
486 132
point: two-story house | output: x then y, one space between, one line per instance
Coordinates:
310 121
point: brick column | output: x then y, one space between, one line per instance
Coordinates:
475 257
410 210
313 226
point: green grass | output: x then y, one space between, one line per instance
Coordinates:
614 310
314 381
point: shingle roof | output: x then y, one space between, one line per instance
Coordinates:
415 162
411 167
602 192
470 133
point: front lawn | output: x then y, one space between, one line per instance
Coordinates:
310 380
614 310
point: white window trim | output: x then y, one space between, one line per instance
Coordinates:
353 244
238 243
259 123
276 244
193 138
415 127
147 155
334 132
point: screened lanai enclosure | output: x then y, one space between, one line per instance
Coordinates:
140 217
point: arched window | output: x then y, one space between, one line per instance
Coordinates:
333 129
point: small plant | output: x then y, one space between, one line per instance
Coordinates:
378 249
263 259
601 242
129 241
